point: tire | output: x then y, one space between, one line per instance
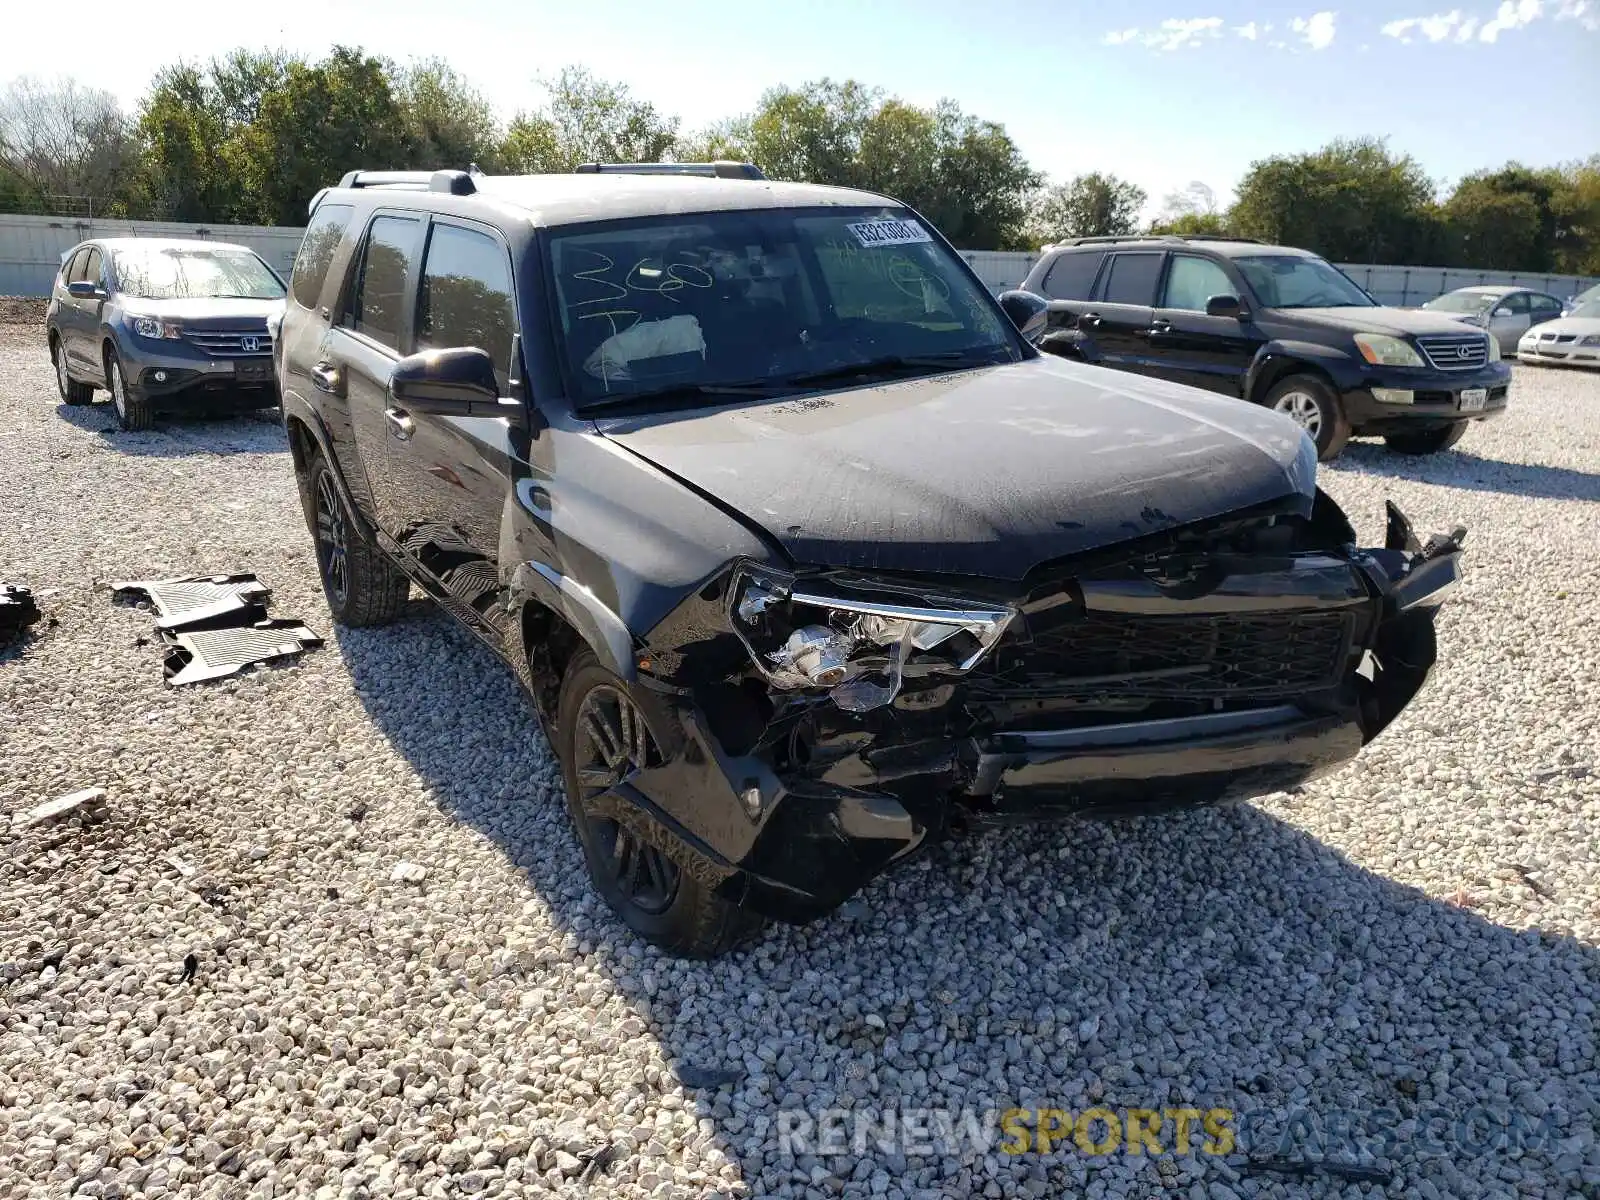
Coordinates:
638 879
362 584
1310 403
1427 441
133 407
72 392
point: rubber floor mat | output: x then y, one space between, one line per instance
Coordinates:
198 599
195 655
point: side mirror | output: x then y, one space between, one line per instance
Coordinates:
1028 312
85 289
1502 312
1224 306
457 382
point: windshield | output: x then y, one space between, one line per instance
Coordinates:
1589 309
1297 281
1587 296
763 301
1464 302
170 273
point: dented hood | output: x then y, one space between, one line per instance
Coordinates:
1393 321
982 472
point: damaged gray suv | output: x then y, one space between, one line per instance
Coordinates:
805 556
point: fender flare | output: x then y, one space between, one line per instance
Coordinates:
602 630
1272 358
295 409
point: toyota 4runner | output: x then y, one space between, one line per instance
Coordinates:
806 557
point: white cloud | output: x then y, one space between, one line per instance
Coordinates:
1247 32
1317 30
1585 12
1467 29
1172 34
1435 28
1513 14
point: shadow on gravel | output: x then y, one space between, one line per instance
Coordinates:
1457 469
1211 960
253 432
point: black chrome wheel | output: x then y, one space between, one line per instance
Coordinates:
610 743
333 547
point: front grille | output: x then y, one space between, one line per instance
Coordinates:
230 343
1454 351
1205 655
1558 338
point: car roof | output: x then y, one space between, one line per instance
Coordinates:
549 200
1226 248
147 243
1493 289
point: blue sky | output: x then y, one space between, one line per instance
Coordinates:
1158 91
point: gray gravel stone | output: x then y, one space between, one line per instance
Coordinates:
1369 947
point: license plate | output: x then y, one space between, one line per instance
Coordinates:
1473 399
260 372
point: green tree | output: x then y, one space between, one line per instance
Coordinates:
448 123
964 174
322 120
587 119
1351 201
1515 218
1093 205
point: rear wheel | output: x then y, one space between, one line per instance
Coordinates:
602 740
1427 441
134 410
72 392
362 585
1311 404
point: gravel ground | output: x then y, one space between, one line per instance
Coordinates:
222 988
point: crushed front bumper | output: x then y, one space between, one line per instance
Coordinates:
792 835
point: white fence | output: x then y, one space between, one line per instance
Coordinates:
31 248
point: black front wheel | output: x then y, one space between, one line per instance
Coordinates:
362 585
72 392
133 407
1427 441
603 740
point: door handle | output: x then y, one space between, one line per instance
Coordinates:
1091 320
1159 326
325 378
400 423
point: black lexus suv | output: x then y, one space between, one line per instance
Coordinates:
1273 325
806 557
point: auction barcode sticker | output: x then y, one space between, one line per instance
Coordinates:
889 233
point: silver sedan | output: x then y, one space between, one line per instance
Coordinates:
1506 312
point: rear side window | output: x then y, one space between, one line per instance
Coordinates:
378 307
1192 280
1072 275
1131 279
316 252
464 296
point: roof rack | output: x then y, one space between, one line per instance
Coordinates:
720 169
1152 237
456 183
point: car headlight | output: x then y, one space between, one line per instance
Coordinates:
1383 350
1494 349
856 649
1592 340
150 327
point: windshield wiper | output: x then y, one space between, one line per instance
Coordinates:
692 391
894 363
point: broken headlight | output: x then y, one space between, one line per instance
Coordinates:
857 649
